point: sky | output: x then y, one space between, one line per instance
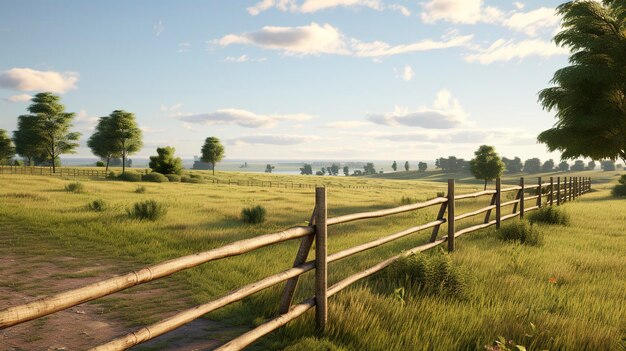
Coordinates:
292 79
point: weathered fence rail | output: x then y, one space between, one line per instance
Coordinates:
544 194
47 171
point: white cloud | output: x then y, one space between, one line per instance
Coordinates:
244 58
184 47
242 118
406 73
518 5
26 79
346 124
460 12
446 112
158 28
84 122
311 6
263 5
273 139
503 51
172 108
380 48
305 40
18 98
532 22
402 9
316 5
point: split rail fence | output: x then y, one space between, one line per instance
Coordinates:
528 197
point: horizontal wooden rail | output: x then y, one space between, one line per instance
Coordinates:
512 202
47 305
387 212
474 228
528 198
474 213
509 216
531 208
513 188
474 195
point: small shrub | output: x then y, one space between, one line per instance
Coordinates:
549 215
314 344
97 205
140 190
622 179
195 176
441 194
111 175
147 210
100 164
75 187
253 215
619 191
154 177
405 200
129 177
522 232
186 179
173 177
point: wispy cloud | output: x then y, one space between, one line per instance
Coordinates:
242 118
533 22
506 50
26 79
460 12
184 47
158 28
312 6
406 73
273 139
243 58
18 98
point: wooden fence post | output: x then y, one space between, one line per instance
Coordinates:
551 191
539 192
498 200
575 188
321 276
521 199
558 191
570 192
450 215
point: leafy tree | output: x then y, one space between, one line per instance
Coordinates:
588 96
513 166
346 171
165 162
100 164
52 127
422 166
608 165
563 166
591 165
334 169
579 165
407 166
212 151
321 172
369 168
7 150
394 166
548 166
102 141
487 164
330 172
125 134
269 168
532 165
26 139
306 170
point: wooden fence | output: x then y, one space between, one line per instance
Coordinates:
528 197
47 171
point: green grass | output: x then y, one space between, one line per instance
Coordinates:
509 287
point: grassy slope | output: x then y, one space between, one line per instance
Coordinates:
205 216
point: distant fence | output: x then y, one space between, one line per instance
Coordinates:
47 171
539 194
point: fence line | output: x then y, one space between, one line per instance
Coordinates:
543 193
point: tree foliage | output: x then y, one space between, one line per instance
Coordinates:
369 168
212 151
394 166
307 169
126 137
579 165
165 162
269 168
346 171
407 166
532 165
487 164
591 165
563 166
589 96
7 150
102 142
548 166
513 165
422 166
26 139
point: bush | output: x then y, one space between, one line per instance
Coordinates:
441 194
97 205
186 179
154 177
622 179
619 190
549 215
165 162
148 210
428 274
313 344
75 187
140 189
522 232
129 177
253 215
195 176
100 164
173 177
111 175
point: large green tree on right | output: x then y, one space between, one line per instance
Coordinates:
589 96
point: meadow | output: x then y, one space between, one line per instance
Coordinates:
565 295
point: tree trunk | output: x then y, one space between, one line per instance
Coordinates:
106 169
213 163
485 185
123 163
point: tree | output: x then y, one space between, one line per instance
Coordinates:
369 168
394 166
102 142
125 134
422 166
513 166
7 150
591 165
407 166
25 138
563 166
608 165
306 169
165 162
487 164
212 151
269 168
532 165
52 127
334 169
548 166
588 96
579 165
346 171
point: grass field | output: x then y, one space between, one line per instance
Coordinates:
571 289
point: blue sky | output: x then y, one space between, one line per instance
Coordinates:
292 79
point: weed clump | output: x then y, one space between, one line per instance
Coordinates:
129 177
253 215
140 190
75 187
441 194
313 344
147 210
523 232
549 215
405 200
173 177
154 177
97 205
195 180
